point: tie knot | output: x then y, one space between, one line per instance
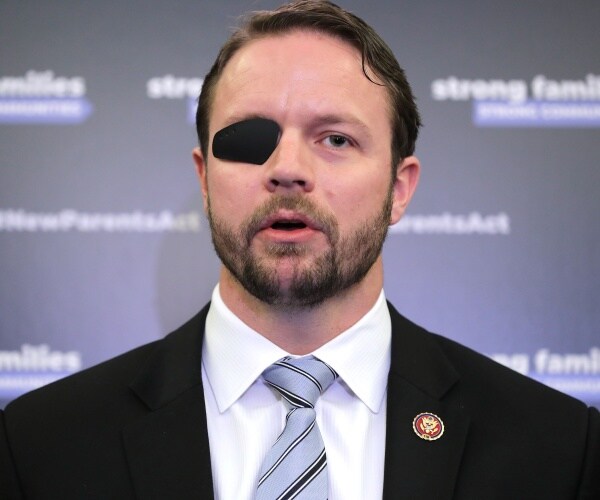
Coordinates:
300 380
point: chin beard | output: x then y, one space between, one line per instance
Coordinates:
344 264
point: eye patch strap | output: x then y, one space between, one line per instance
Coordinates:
248 141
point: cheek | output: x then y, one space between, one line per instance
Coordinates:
357 198
222 187
232 195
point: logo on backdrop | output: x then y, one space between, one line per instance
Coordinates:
65 220
577 374
41 97
473 223
34 366
176 87
541 102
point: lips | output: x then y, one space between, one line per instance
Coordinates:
289 221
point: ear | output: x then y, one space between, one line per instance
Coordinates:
201 171
405 184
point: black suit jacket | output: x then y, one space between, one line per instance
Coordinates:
135 427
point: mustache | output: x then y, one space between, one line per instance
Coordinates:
296 203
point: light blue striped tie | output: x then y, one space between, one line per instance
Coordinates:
296 465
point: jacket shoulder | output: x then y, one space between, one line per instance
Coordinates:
103 389
519 435
67 438
477 376
499 385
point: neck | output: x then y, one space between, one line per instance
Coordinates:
302 330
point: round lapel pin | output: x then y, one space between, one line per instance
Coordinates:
428 426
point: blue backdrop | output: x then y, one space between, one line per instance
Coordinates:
103 244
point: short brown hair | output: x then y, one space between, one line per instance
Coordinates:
324 17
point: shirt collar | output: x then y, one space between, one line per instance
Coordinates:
360 355
228 341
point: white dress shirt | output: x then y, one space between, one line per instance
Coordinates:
245 416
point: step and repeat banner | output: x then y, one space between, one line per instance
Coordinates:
104 244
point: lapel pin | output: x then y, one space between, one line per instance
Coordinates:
428 426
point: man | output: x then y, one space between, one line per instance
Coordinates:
307 129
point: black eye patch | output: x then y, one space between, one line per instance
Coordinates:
248 141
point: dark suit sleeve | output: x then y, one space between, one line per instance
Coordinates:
589 485
9 485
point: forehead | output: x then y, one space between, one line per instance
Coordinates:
295 74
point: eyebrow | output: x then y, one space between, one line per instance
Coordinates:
341 119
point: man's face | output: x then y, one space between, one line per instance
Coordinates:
309 222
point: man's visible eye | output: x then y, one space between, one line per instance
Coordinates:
337 141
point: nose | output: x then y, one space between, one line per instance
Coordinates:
290 168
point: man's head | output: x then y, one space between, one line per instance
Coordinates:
304 221
378 62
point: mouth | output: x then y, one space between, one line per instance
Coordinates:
289 222
287 225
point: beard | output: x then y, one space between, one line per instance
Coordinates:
344 264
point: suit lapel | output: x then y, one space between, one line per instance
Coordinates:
167 448
420 377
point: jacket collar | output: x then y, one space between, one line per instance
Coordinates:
167 448
420 377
